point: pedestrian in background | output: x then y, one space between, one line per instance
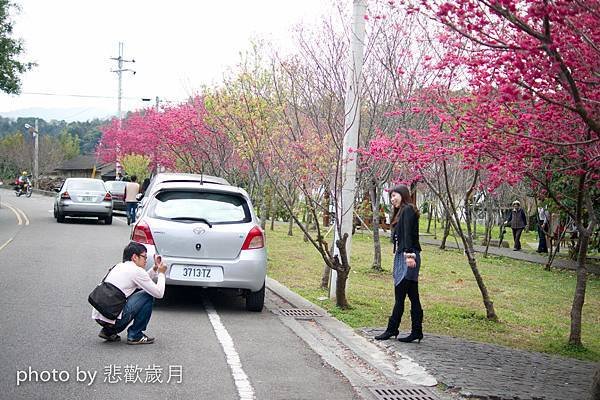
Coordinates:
407 262
517 220
543 229
132 189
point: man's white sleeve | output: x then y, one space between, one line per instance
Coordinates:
143 280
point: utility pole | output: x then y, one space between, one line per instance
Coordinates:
35 132
351 125
36 163
119 71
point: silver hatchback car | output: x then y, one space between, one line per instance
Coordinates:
208 235
83 197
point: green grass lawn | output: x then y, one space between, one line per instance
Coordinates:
533 304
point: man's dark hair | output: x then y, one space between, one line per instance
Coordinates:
131 249
133 178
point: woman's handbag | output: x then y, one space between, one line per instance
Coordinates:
108 299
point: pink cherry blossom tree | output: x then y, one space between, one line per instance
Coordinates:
529 104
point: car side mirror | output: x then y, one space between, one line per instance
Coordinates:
57 190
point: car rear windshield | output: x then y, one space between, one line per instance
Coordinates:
86 185
115 185
215 208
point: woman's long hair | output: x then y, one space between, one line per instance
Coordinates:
404 192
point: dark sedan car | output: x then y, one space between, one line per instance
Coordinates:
117 190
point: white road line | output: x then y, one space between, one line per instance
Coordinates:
6 243
19 220
242 383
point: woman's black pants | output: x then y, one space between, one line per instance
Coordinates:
410 288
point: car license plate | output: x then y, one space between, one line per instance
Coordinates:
200 273
87 199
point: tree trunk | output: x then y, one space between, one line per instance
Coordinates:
446 232
488 230
272 221
271 213
429 217
579 298
487 301
325 277
263 209
340 290
326 215
376 239
435 223
474 216
308 221
291 223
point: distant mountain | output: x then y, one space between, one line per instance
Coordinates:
60 114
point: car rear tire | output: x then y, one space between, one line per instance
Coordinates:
108 220
60 218
256 300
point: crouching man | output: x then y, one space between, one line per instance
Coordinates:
129 276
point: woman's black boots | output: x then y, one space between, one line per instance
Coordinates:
412 337
389 331
416 332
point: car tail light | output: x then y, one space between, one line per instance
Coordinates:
142 234
107 197
65 196
254 240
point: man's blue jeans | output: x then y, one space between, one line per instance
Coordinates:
137 309
131 208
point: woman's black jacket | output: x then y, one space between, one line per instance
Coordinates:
406 231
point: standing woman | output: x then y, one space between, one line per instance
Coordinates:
407 261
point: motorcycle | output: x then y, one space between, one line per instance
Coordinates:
24 189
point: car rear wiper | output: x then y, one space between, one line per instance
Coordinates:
192 219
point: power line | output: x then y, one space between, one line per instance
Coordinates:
78 95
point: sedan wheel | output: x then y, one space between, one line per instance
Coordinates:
256 300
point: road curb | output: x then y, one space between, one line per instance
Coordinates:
400 371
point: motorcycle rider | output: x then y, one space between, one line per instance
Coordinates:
23 181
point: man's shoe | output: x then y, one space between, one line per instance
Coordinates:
143 340
109 338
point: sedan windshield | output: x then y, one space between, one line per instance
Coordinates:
209 207
95 184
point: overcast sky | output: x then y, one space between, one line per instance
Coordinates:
178 46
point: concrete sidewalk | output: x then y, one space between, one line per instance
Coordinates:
447 367
486 371
517 255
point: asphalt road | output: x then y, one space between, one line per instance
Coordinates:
49 343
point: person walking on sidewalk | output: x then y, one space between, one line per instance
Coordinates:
129 276
132 189
517 220
543 229
407 262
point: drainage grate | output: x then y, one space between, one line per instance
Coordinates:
403 393
299 312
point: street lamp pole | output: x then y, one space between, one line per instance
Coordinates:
35 132
36 170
